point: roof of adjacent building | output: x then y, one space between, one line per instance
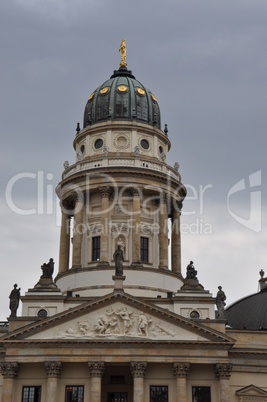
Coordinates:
122 97
249 313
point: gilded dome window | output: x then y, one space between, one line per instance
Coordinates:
122 88
140 91
104 91
98 143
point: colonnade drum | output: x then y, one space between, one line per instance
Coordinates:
120 191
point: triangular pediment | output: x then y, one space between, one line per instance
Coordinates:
118 316
252 391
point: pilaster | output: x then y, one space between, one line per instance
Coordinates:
138 370
9 371
96 371
180 371
223 373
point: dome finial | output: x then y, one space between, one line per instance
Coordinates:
122 51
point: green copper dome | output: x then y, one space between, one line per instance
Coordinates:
122 97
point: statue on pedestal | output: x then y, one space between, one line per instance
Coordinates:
191 272
48 269
118 258
14 300
220 303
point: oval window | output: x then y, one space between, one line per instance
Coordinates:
98 143
144 144
82 149
194 314
42 313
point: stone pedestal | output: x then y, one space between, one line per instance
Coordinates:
223 373
138 370
9 371
118 288
53 371
181 371
96 371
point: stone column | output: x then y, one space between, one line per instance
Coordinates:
223 373
53 371
138 370
64 250
9 371
105 192
136 228
77 234
176 241
96 371
181 371
163 233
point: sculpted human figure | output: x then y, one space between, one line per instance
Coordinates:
220 302
48 269
122 51
143 324
191 272
118 258
14 300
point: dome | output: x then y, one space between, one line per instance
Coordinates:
122 97
249 313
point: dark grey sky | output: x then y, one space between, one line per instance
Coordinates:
206 63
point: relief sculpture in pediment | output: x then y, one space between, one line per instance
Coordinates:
120 321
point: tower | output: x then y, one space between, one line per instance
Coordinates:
121 190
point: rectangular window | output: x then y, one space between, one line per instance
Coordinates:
74 393
117 397
31 394
96 248
144 249
201 394
158 393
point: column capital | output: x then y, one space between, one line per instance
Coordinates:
96 369
138 369
53 369
135 192
223 370
181 370
105 191
177 206
9 369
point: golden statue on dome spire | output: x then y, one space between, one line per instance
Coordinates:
122 51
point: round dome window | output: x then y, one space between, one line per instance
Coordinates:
144 144
98 143
42 313
194 314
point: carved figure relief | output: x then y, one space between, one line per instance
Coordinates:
118 321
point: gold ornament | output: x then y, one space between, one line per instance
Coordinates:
122 88
122 51
91 96
140 91
104 91
154 98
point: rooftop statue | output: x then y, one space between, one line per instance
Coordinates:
122 50
14 300
191 272
48 269
220 302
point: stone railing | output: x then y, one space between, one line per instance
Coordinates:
111 162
